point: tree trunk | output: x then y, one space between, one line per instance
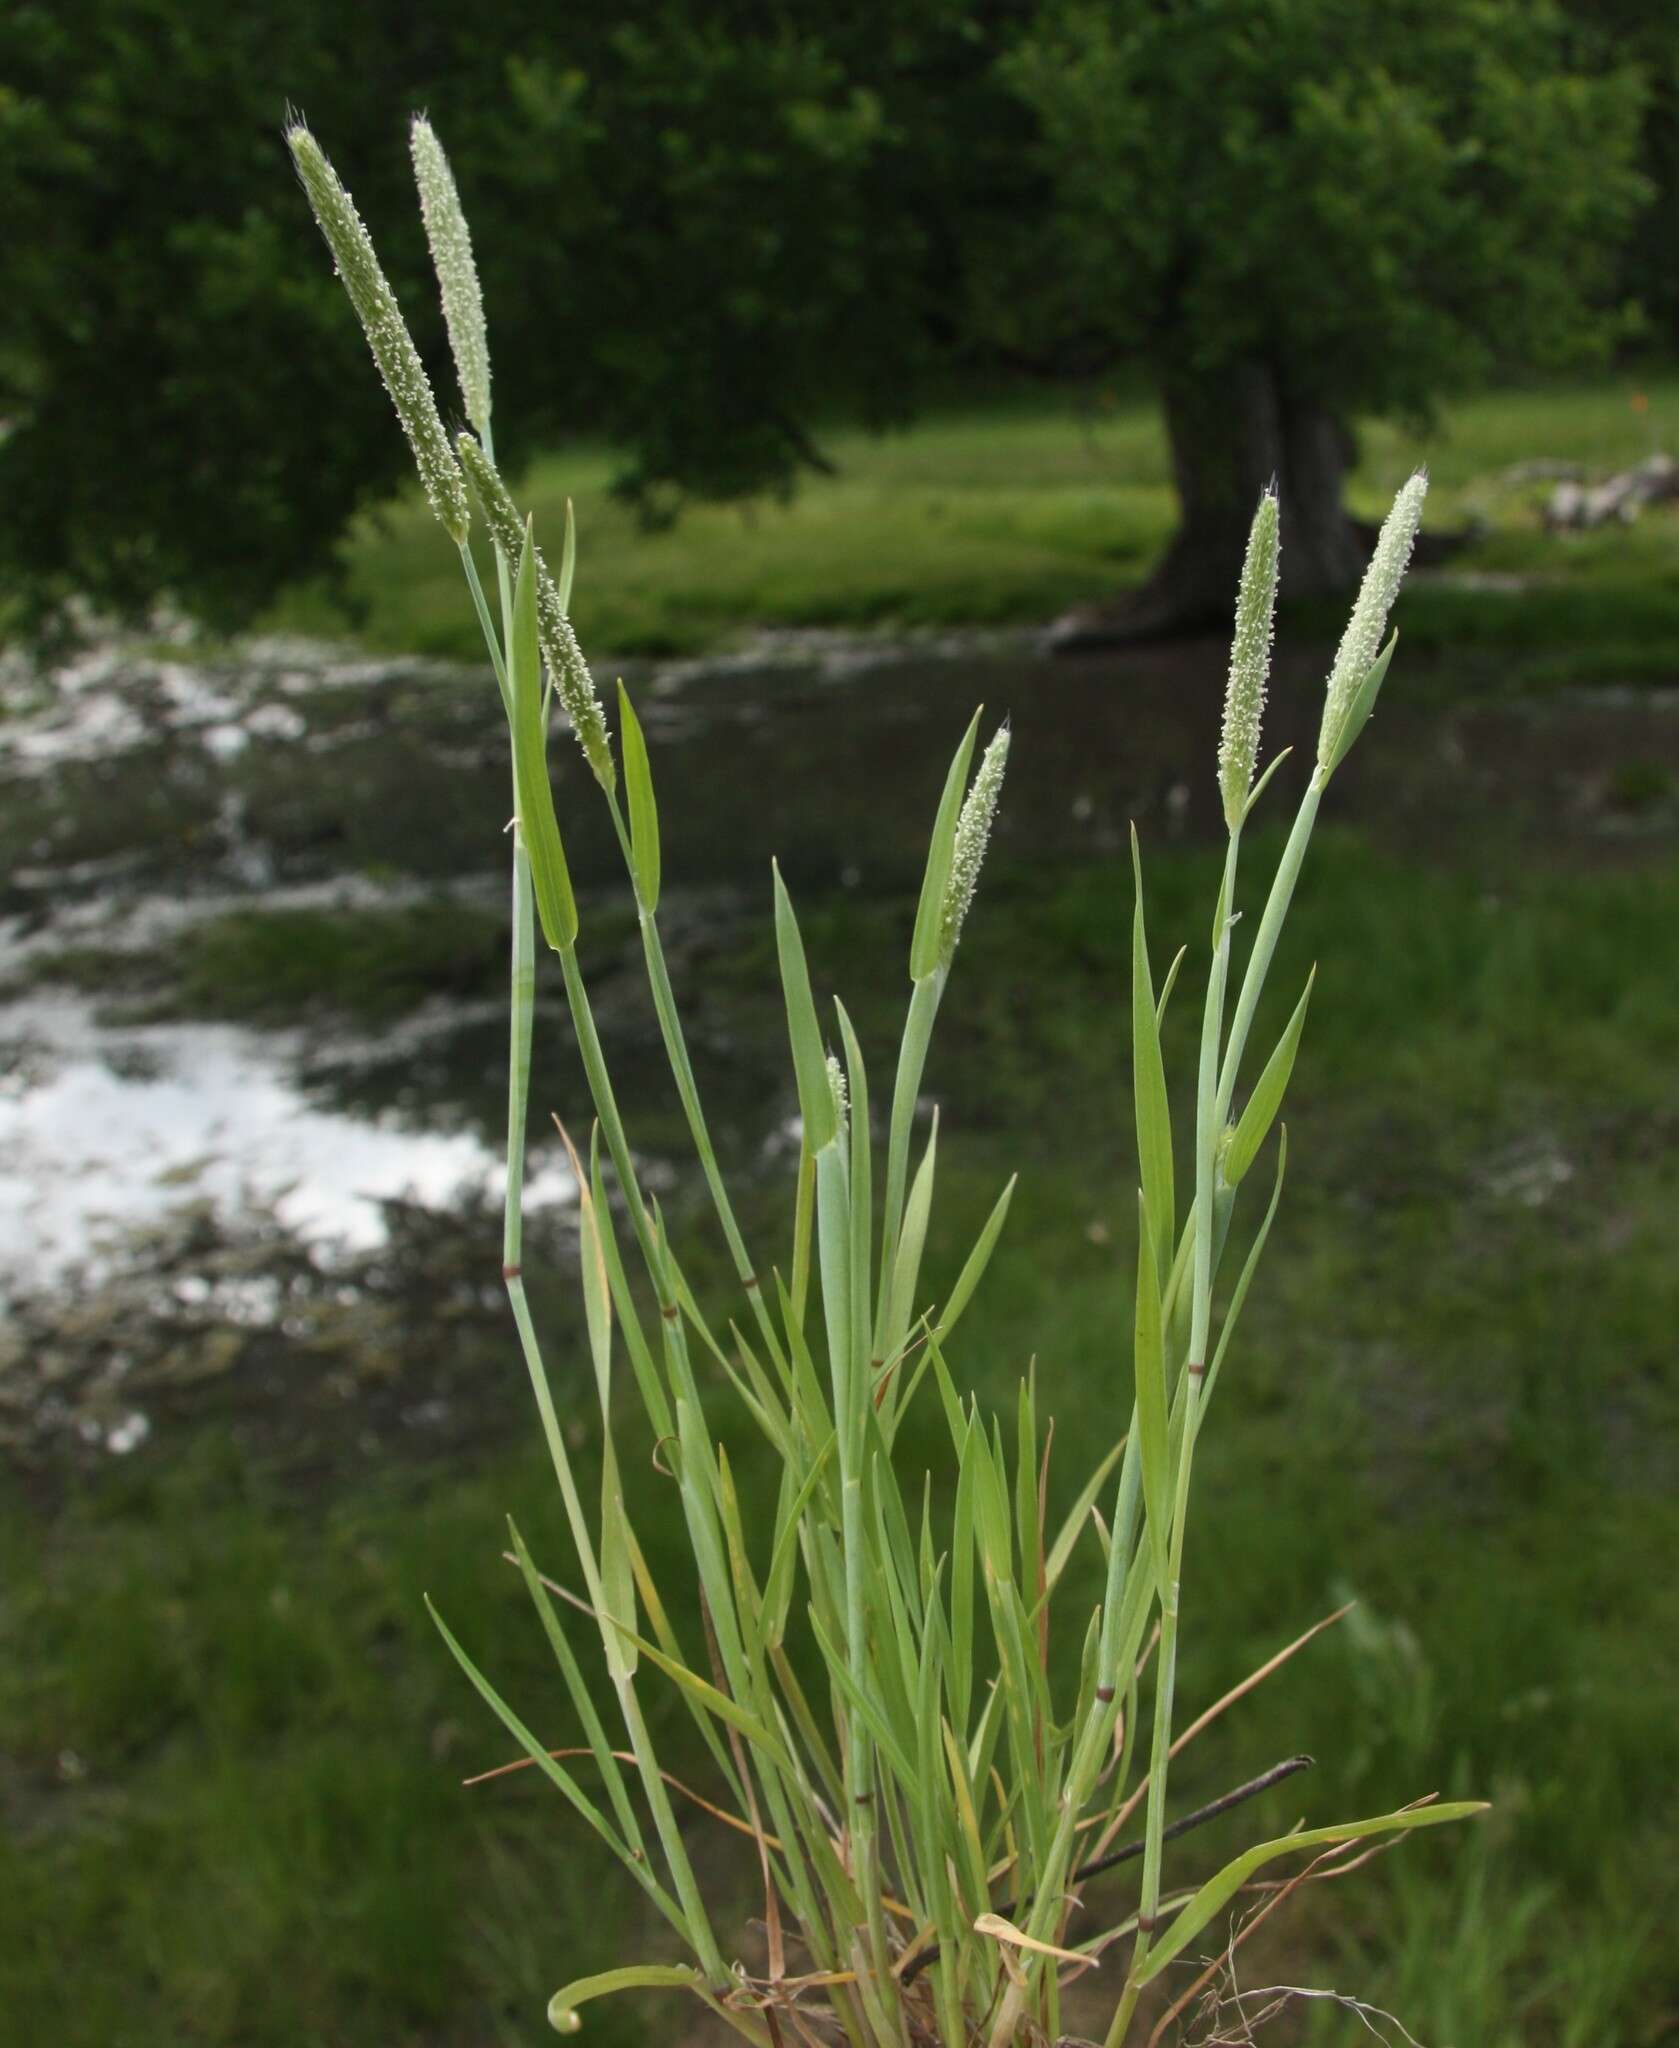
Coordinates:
1230 436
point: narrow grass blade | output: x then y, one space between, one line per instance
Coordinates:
562 2007
1167 986
1249 1267
605 1762
861 1177
960 1675
558 1775
1220 1890
1363 703
629 1319
1258 790
1062 1548
778 1580
906 1267
707 1695
973 1272
1267 1097
1152 1429
927 942
873 1718
644 812
1154 1116
810 1066
804 1212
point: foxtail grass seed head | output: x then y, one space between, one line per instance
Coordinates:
387 333
457 274
1250 662
1362 641
973 829
573 684
838 1090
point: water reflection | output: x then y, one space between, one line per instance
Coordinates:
107 1127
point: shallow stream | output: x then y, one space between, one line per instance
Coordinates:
252 1040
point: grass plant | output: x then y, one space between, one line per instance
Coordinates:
922 1824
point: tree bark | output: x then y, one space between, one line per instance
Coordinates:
1230 436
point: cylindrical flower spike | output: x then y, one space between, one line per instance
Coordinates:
457 274
387 333
973 829
1250 662
573 684
841 1094
1362 641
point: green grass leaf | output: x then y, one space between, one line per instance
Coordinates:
644 812
935 883
1219 1890
1256 1119
559 1776
1363 703
1233 1313
562 2007
973 1271
810 1067
715 1701
1077 1515
1154 1116
1152 1428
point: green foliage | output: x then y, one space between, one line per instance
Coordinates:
821 216
185 397
1377 202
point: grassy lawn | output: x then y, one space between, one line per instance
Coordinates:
232 1743
1010 513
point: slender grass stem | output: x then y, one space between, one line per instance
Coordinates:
1265 942
923 1012
687 1088
491 641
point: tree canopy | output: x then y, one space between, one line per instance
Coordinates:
1297 211
704 234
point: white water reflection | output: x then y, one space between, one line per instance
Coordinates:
104 1129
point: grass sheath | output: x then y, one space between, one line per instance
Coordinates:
918 1820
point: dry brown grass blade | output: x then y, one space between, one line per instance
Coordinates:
625 1756
1335 1861
1284 1891
772 1905
1005 1931
1198 1726
560 1592
895 1907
